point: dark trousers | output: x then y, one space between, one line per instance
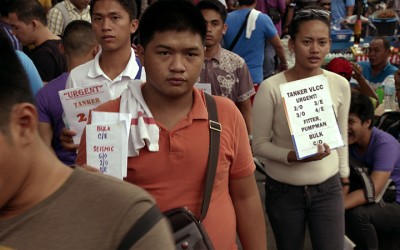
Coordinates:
364 224
320 207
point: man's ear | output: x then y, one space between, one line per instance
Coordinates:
291 45
134 26
24 123
224 29
140 53
35 24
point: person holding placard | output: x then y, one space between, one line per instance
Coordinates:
303 191
169 131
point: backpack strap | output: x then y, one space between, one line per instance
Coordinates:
146 222
215 132
232 46
362 172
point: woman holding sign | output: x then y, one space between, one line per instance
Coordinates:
302 187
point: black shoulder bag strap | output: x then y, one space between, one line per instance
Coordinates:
232 46
146 222
149 219
215 132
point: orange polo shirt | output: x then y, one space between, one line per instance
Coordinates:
175 174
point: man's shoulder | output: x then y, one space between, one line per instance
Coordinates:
54 85
231 56
80 73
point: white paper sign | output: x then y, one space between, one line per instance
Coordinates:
77 102
206 87
107 118
310 115
104 148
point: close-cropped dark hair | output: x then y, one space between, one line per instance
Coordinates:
79 38
14 85
299 20
386 42
28 10
213 5
246 2
4 7
170 15
362 107
128 5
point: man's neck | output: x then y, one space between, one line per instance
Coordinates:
363 143
113 63
43 35
34 189
211 51
252 6
378 68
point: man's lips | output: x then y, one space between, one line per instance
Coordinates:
176 80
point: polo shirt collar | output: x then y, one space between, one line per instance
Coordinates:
131 69
199 108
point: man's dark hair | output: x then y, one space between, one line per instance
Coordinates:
4 7
298 20
246 2
213 5
14 85
170 15
128 5
79 38
28 10
386 42
362 107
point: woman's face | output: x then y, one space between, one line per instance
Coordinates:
311 44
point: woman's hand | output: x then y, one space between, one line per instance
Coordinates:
323 151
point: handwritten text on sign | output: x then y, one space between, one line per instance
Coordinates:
104 148
77 103
310 114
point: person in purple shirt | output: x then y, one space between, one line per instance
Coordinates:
381 152
80 46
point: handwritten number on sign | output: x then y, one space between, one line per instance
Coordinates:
82 117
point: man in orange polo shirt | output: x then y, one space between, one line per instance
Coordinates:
172 166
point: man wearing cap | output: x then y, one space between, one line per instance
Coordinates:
345 68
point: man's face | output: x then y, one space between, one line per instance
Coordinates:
215 27
357 129
80 4
173 62
377 53
112 25
24 32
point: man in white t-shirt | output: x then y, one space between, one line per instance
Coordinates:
116 63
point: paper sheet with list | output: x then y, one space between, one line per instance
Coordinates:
107 142
310 115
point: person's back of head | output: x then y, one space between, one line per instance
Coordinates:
128 5
14 85
170 15
79 38
362 107
213 5
29 10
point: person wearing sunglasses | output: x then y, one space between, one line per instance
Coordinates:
304 192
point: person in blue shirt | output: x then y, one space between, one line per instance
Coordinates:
378 67
31 72
340 9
